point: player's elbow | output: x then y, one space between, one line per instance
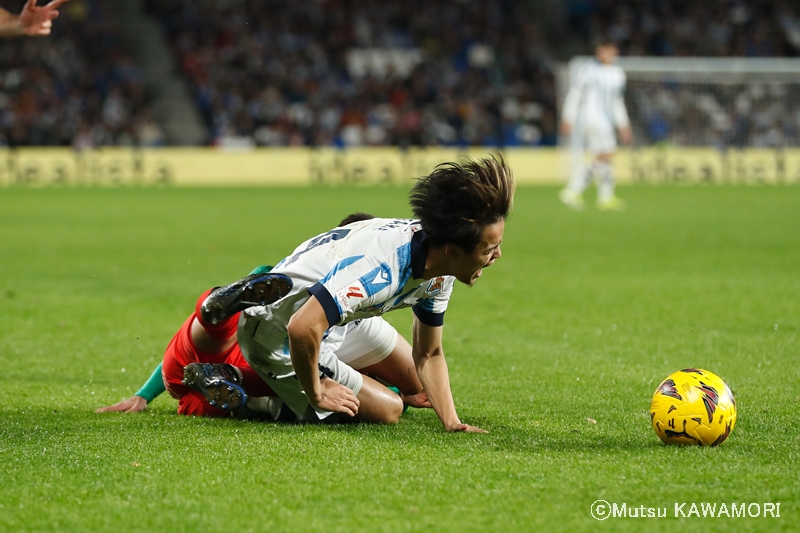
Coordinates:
298 328
309 322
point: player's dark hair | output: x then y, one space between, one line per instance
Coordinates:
456 202
355 217
604 40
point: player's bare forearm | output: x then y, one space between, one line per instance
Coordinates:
304 341
432 370
434 375
625 134
306 329
9 24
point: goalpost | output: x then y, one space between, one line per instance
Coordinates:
707 120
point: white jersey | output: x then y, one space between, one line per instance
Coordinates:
361 270
596 97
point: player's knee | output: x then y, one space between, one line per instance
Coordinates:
394 408
380 408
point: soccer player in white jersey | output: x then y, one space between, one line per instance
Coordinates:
367 269
593 109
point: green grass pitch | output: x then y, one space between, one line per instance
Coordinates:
580 319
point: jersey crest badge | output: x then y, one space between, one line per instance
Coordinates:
435 286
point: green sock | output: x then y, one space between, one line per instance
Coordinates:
263 269
397 391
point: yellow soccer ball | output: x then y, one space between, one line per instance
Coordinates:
693 406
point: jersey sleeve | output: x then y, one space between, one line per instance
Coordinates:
569 112
354 284
621 119
430 311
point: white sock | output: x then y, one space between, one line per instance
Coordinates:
265 404
605 187
580 179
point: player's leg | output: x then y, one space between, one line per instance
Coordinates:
603 145
605 175
580 178
253 290
397 369
607 200
221 387
203 389
265 349
378 404
179 353
219 341
373 347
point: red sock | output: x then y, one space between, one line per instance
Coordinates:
253 383
221 331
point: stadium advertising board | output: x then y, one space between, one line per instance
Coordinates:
48 167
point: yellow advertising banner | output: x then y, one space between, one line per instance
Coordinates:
211 167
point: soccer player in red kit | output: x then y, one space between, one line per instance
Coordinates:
188 358
199 342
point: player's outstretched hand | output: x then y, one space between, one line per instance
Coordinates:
419 400
134 404
38 20
336 397
466 428
626 135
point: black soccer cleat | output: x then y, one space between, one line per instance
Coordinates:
252 291
219 383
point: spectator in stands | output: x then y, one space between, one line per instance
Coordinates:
79 87
374 72
686 28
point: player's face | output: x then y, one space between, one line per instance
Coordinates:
607 54
468 267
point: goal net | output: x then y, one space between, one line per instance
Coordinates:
708 119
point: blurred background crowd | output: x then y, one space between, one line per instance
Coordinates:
350 73
756 113
446 73
77 86
716 28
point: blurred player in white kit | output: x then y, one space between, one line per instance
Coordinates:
593 109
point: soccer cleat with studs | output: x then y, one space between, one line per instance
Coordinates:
219 383
251 291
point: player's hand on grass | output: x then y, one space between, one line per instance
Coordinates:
134 404
419 400
336 397
465 428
